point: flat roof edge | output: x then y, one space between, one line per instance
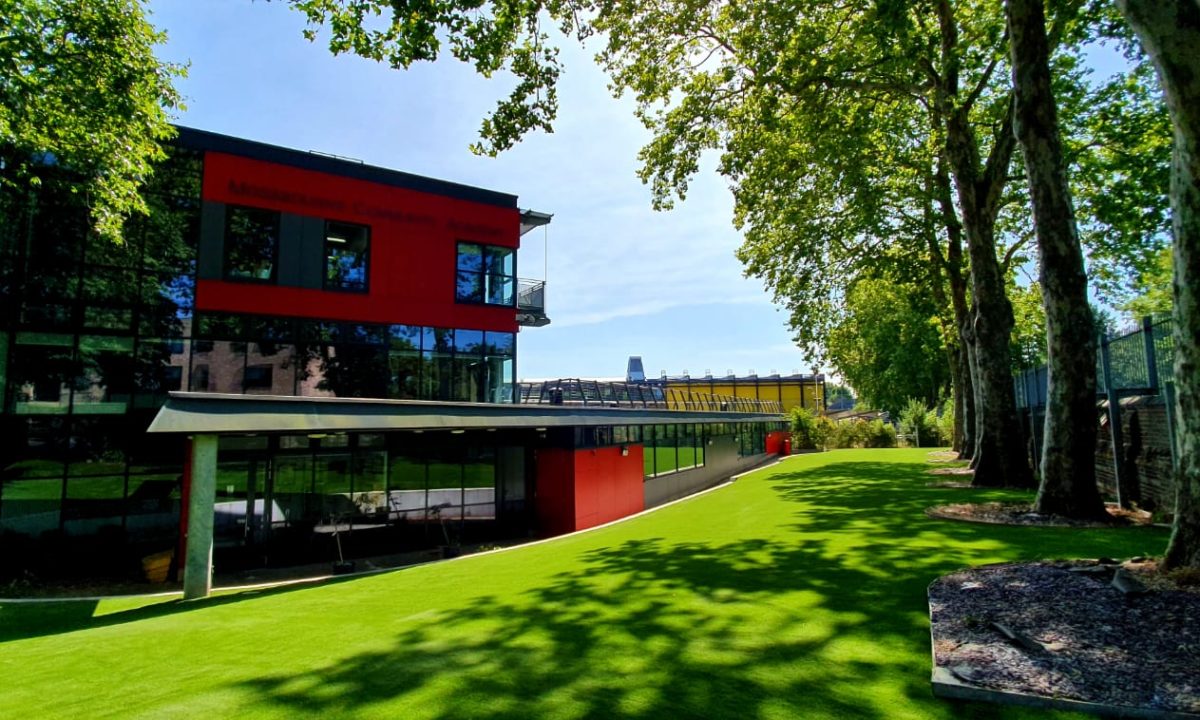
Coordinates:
210 413
196 139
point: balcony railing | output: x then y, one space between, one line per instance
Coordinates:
594 393
531 303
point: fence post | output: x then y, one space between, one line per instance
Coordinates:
1029 377
1114 421
1151 360
1169 391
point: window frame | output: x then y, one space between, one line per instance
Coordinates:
483 274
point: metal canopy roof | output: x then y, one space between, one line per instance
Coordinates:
531 219
213 413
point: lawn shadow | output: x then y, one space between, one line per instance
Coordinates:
21 620
812 627
668 638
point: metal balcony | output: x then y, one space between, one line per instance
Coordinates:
531 303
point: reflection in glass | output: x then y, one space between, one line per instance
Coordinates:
486 274
406 481
218 367
41 369
30 506
406 337
347 252
370 485
406 375
104 383
251 243
93 503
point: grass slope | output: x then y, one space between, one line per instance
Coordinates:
797 592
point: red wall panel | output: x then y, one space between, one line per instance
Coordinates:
414 239
607 485
775 441
555 491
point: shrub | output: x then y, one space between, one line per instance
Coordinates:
945 421
861 434
935 431
823 433
848 434
880 434
912 423
803 424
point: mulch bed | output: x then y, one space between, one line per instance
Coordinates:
1016 513
1062 629
952 471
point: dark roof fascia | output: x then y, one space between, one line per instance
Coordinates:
194 139
803 377
213 413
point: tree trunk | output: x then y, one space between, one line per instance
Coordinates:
964 385
1170 32
1068 483
999 451
999 458
966 408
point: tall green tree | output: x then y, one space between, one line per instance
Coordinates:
888 346
1170 32
1068 468
1152 289
80 87
1120 150
827 118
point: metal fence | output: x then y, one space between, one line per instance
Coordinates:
1140 362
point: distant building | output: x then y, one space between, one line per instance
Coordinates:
795 390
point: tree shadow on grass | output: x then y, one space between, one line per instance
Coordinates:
650 628
887 502
21 620
830 621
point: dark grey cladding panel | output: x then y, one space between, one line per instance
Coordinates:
301 247
210 263
291 258
310 243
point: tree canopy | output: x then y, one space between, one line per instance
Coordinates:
889 347
80 87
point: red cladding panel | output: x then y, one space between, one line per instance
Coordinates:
608 486
775 440
556 490
414 239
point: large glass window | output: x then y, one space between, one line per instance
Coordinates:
251 244
42 368
347 256
104 382
486 274
404 359
31 475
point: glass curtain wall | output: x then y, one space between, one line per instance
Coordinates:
672 448
91 340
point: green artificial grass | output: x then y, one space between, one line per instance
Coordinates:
798 591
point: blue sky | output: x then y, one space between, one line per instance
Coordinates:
622 279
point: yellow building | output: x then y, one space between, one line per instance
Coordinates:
787 390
